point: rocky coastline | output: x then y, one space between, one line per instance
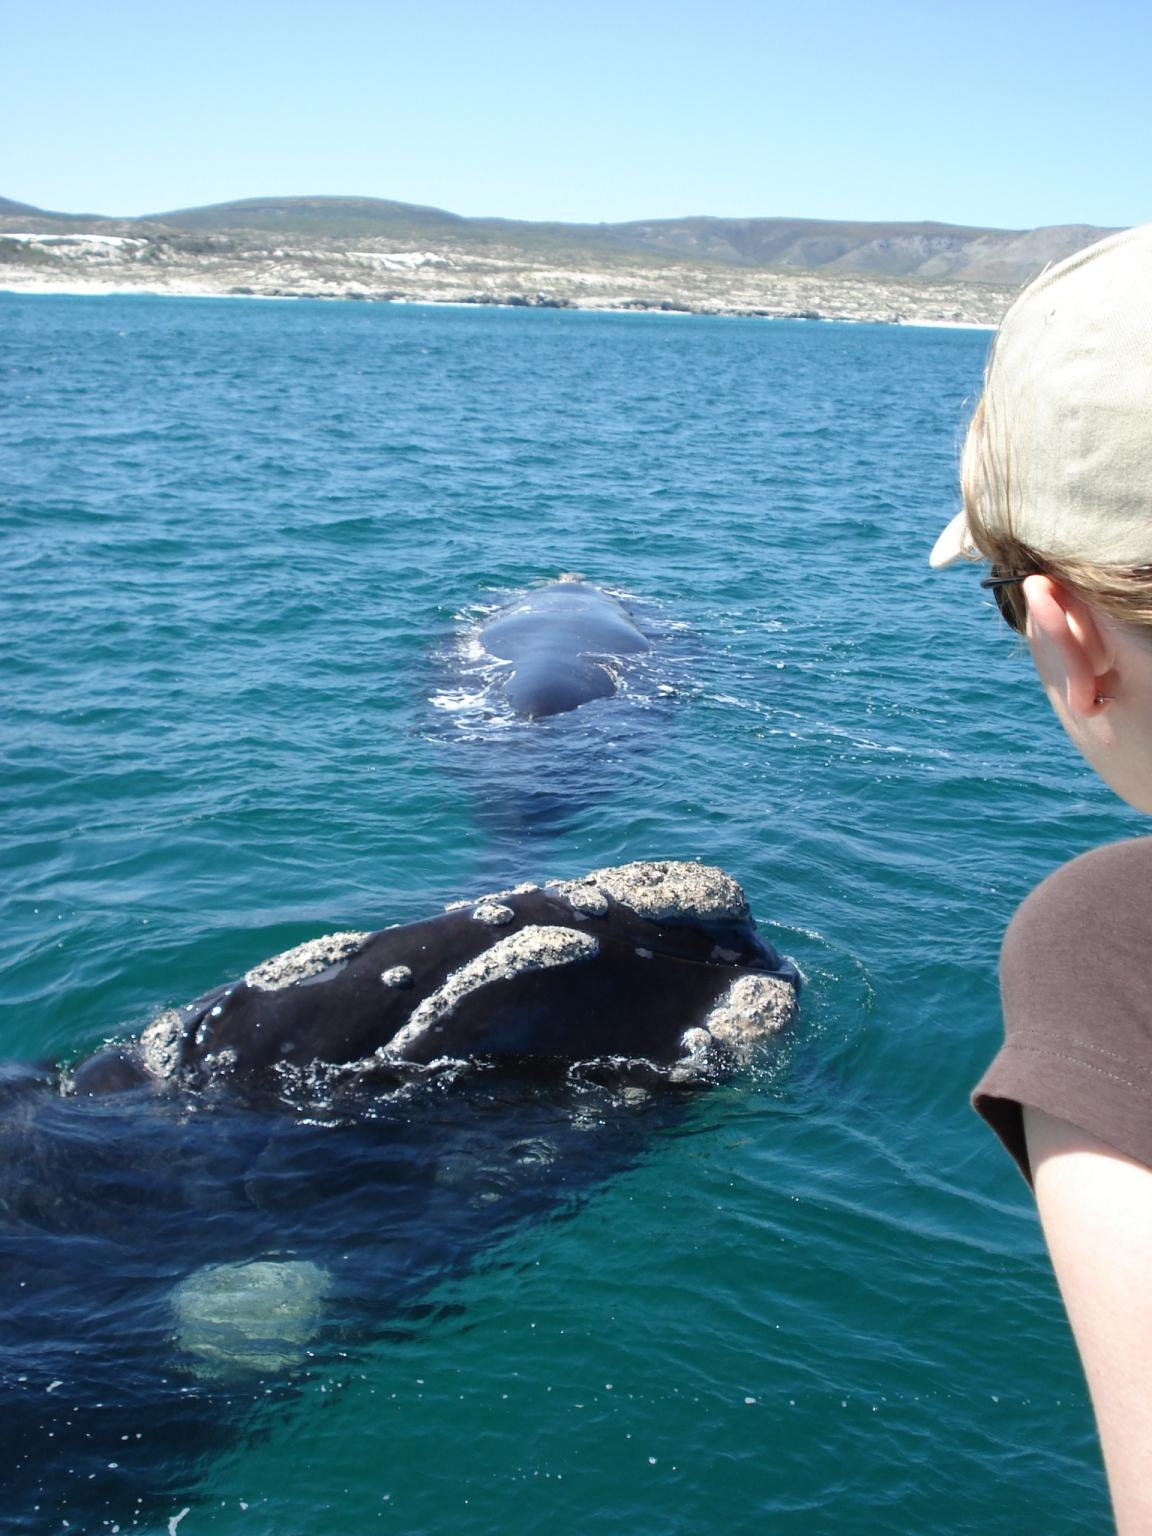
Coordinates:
159 261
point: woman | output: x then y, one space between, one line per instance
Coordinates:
1057 483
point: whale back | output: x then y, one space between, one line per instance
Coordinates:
558 640
554 684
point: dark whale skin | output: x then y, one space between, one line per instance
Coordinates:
364 1115
560 641
564 973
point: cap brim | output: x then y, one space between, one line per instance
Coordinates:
955 543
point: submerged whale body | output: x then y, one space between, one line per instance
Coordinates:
294 1160
564 643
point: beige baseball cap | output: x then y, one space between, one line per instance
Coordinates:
1068 410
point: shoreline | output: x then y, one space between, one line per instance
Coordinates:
57 288
381 270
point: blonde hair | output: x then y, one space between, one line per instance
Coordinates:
1123 592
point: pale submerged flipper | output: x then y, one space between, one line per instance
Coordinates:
249 1319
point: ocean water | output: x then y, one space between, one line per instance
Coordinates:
246 546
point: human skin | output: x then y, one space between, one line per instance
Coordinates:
1097 673
1095 1207
1095 1203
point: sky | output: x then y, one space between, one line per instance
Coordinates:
1007 115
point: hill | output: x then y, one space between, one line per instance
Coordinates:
922 250
372 248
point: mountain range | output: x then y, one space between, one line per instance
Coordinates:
924 251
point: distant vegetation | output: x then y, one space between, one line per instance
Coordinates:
925 251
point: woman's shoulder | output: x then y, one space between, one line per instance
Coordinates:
1089 917
1076 988
1115 871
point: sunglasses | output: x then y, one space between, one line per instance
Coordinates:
1009 598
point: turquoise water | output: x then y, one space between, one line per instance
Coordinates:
245 545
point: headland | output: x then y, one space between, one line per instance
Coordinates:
373 250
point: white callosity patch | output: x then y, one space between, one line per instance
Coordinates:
398 976
160 1044
754 1006
494 913
697 1056
532 949
492 896
305 960
667 889
694 1040
249 1319
218 1064
583 896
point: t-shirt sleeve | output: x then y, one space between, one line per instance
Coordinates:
1076 988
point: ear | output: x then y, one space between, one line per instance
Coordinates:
1061 621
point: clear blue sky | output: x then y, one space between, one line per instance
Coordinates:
1010 114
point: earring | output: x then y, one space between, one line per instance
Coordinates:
1104 698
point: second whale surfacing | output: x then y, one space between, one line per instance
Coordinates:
296 1160
563 643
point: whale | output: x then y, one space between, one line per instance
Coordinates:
529 722
654 961
563 644
206 1209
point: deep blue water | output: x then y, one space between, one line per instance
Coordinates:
245 544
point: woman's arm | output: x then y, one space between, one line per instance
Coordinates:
1096 1210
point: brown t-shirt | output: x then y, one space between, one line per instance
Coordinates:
1076 987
